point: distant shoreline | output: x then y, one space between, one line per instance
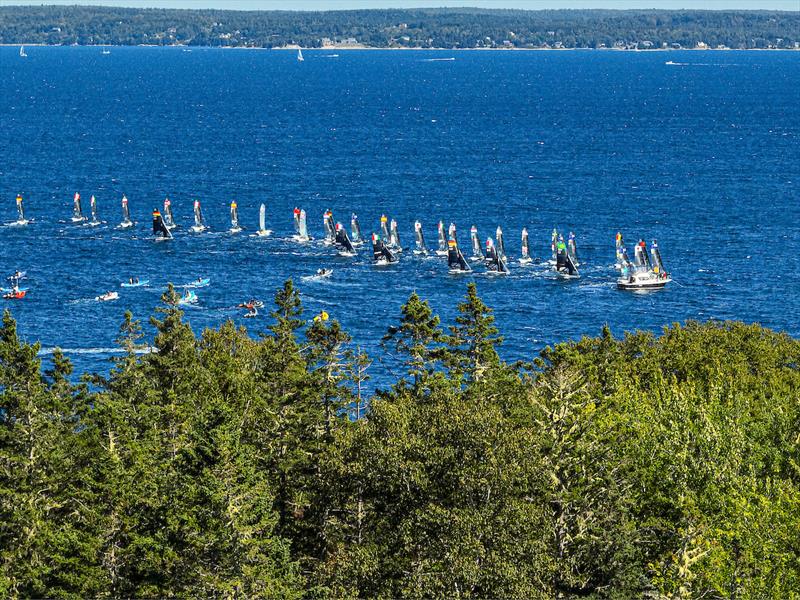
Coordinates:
351 48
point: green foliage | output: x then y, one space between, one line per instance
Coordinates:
412 28
223 465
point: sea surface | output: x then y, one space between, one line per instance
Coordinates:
702 155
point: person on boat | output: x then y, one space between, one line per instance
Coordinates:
322 272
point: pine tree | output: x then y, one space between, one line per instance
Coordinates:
474 337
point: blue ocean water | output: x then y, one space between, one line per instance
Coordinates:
702 155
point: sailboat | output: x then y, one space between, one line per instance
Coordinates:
342 242
394 237
300 228
93 208
419 237
160 230
330 229
385 229
572 249
442 249
619 251
77 214
565 266
456 262
501 245
355 229
643 275
235 227
169 221
21 220
525 259
262 222
451 234
199 226
22 53
477 254
106 51
495 263
300 55
553 244
126 214
381 255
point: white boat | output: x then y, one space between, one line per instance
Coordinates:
93 208
22 53
262 222
21 220
77 213
442 236
355 229
300 227
189 297
199 226
235 227
107 297
420 248
477 254
169 221
643 275
106 51
525 259
126 215
300 55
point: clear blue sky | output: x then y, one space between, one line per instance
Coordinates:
792 5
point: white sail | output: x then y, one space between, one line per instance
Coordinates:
169 221
477 254
262 218
77 213
22 52
20 210
526 254
442 251
394 237
420 239
303 226
235 227
198 218
300 55
501 246
93 207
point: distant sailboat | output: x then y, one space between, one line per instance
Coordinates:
565 266
501 245
160 230
22 53
93 208
525 259
394 237
329 226
477 254
342 242
355 229
300 55
126 215
169 221
198 226
381 255
21 220
456 262
77 213
106 51
300 228
572 248
451 234
442 250
495 263
235 227
262 222
385 229
420 240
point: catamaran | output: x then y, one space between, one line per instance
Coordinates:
93 208
355 229
477 254
160 229
169 221
642 275
442 249
235 227
525 259
300 55
126 214
262 222
455 260
381 255
342 242
394 237
300 228
198 226
419 238
21 220
495 263
330 229
77 214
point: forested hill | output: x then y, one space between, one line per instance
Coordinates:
417 28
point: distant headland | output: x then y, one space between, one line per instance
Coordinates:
442 28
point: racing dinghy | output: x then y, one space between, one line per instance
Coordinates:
394 237
442 235
477 254
160 229
495 264
643 275
572 249
169 221
77 213
385 230
355 229
343 243
300 228
199 226
235 227
330 229
525 259
381 255
93 208
501 245
262 222
553 244
419 239
451 235
456 262
565 267
21 220
126 215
